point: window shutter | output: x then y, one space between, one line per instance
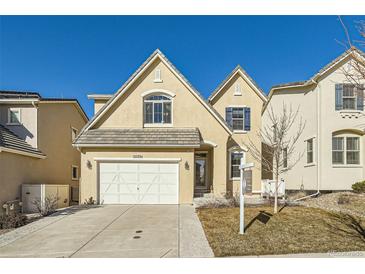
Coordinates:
339 91
360 97
229 116
247 119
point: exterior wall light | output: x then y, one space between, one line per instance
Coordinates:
88 164
187 167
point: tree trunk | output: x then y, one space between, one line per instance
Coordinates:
276 194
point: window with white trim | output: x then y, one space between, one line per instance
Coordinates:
345 150
75 173
73 133
157 109
310 150
235 161
349 97
239 118
14 116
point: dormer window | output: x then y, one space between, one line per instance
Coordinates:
157 110
14 117
157 76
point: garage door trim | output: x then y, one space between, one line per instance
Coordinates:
142 160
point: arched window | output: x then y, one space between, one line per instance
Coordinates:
157 109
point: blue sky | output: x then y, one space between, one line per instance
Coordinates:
72 56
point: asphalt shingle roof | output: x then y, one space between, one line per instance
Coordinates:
141 136
9 139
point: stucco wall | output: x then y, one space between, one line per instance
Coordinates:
321 122
54 137
14 170
89 175
250 99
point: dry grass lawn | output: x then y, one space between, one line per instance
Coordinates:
292 230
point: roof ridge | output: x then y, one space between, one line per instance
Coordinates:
156 52
228 77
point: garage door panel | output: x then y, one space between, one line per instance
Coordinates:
167 178
166 189
109 167
139 183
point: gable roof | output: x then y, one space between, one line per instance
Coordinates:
245 76
156 54
10 142
315 77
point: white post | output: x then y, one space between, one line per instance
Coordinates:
242 197
243 166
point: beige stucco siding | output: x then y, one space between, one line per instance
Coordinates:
249 98
54 122
14 170
54 127
89 175
317 107
332 177
187 111
302 175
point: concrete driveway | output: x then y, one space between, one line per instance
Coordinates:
111 231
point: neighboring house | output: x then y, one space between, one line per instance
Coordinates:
333 137
36 137
157 141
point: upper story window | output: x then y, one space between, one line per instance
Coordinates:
349 97
14 116
239 118
157 109
345 150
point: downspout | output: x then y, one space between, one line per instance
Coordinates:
318 143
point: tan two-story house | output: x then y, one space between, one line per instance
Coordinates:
156 140
36 137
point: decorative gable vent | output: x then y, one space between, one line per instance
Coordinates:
157 76
237 90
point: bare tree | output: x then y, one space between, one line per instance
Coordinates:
280 137
355 71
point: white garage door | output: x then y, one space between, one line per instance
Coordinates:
139 183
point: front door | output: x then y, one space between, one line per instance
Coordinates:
201 170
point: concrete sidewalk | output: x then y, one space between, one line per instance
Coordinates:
111 231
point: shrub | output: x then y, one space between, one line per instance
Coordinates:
12 220
90 201
343 199
359 187
48 207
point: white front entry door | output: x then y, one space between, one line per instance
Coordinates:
139 183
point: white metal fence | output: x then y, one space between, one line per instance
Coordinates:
268 188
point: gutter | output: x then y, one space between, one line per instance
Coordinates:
20 152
